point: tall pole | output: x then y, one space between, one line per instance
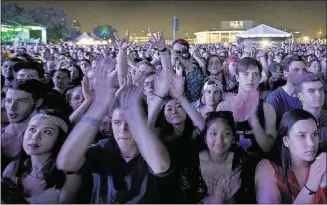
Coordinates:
174 34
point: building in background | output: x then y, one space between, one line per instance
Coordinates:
76 25
226 33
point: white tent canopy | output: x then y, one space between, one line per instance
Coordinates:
264 31
84 36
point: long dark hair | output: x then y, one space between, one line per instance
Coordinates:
169 128
51 175
287 122
227 116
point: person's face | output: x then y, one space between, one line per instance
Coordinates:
202 51
214 66
212 95
7 70
73 72
303 140
40 136
174 112
77 98
19 105
315 67
45 54
106 127
61 80
232 67
206 55
219 136
120 128
148 86
25 74
312 94
295 70
85 66
141 71
181 50
250 79
91 77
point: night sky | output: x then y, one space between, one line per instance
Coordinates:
304 16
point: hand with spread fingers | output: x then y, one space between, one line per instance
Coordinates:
130 98
105 77
162 83
123 43
177 88
157 40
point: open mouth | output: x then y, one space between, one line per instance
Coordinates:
34 146
12 115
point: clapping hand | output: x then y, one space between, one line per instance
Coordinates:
86 89
131 98
128 83
162 82
105 75
177 88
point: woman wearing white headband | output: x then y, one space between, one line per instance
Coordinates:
34 178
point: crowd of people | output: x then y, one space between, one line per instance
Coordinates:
157 123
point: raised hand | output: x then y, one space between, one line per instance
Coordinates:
157 40
123 43
162 83
131 98
86 89
317 170
128 82
104 84
107 63
177 88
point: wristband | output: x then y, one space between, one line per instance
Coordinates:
158 96
163 50
310 191
94 122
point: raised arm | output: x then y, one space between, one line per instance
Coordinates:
88 96
122 63
149 144
71 156
158 41
161 88
177 92
265 137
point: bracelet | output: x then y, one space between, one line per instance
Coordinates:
94 122
310 191
158 96
163 50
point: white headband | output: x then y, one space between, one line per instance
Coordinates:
62 124
216 84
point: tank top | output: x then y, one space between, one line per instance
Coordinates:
245 135
289 197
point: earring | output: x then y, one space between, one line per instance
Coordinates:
286 145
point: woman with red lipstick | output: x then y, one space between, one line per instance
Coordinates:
34 178
297 174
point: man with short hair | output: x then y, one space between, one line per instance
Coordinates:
284 98
7 69
310 92
22 98
28 70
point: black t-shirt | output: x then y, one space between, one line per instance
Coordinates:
118 181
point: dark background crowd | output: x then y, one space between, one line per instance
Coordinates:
157 123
